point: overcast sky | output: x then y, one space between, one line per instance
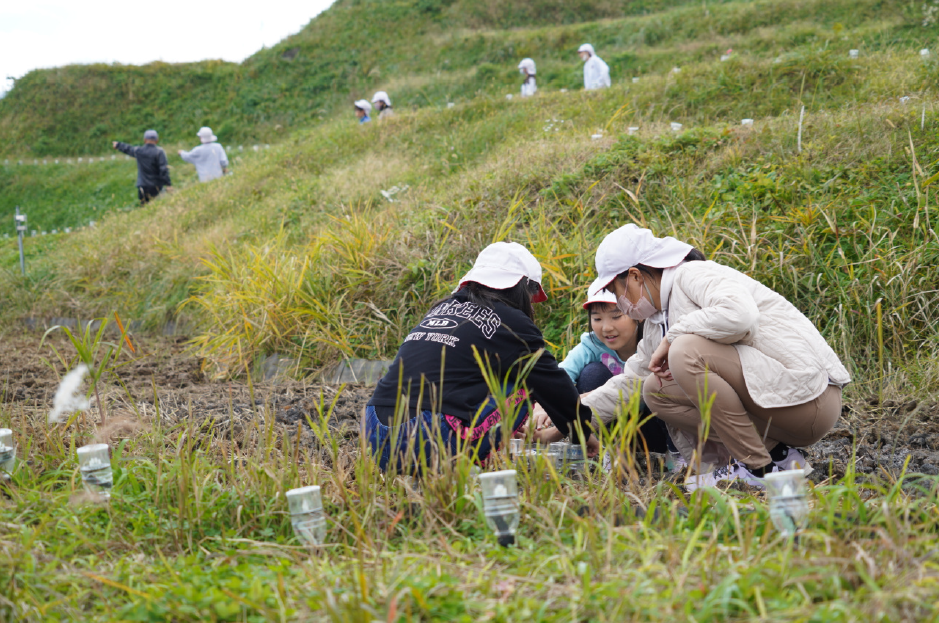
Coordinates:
49 33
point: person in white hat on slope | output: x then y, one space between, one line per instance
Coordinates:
435 401
596 72
713 336
527 69
383 103
362 108
209 158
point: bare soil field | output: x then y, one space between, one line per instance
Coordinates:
165 381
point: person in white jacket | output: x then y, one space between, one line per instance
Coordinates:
717 341
596 72
209 157
383 103
527 69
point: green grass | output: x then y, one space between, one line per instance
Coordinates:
197 529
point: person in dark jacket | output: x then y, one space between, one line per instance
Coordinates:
435 401
153 172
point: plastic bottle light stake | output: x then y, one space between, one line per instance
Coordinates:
632 130
95 467
7 453
676 127
788 505
853 53
746 122
500 504
516 447
576 461
306 514
559 449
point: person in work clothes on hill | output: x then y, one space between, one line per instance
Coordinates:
716 341
596 72
435 403
383 103
209 157
362 108
527 69
153 172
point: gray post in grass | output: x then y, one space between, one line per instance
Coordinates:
20 220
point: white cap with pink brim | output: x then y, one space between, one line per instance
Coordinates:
502 265
596 293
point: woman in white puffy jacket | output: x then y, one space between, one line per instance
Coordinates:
715 336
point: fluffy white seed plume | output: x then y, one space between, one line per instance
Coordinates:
69 398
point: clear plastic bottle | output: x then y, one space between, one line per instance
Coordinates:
7 453
306 514
500 504
94 464
788 504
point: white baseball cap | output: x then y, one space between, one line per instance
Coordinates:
381 96
206 135
502 265
597 293
630 245
363 104
586 48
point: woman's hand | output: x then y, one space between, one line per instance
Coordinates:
593 446
659 361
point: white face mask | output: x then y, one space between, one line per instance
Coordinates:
637 311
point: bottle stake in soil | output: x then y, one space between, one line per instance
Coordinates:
7 453
788 505
306 514
500 504
95 467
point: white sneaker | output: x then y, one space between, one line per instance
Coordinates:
794 460
724 477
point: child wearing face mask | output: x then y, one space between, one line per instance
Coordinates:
603 351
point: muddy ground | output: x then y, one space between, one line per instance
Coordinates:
886 435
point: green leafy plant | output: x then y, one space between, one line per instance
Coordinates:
91 349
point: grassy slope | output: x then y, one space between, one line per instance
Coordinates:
144 264
437 51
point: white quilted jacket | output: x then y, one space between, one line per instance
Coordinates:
785 359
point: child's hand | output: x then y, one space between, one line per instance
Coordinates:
547 435
540 419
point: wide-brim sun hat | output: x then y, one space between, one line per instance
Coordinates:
631 245
381 96
597 293
528 64
205 133
363 104
502 265
586 48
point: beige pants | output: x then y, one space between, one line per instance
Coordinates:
748 431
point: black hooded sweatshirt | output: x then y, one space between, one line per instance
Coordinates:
441 347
